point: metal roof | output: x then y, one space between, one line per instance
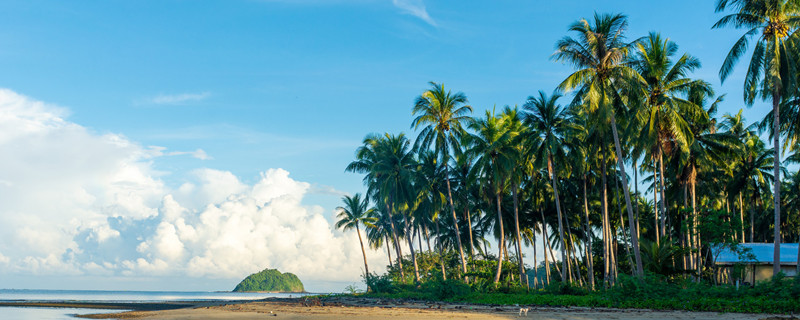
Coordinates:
763 254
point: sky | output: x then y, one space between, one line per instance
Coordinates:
182 145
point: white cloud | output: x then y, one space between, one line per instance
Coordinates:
415 8
77 203
182 98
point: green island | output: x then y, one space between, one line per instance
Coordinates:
270 280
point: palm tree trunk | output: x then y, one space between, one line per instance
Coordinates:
752 219
606 235
441 253
776 195
621 166
544 248
469 223
535 262
698 260
389 251
636 192
500 243
410 240
741 214
455 222
366 267
428 240
588 247
522 278
663 193
656 205
396 242
564 275
622 224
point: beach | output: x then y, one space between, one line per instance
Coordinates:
360 308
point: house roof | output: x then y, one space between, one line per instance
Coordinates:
763 253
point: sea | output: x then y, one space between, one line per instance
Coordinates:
25 313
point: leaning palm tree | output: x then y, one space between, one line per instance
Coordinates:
356 212
598 53
442 115
772 71
550 125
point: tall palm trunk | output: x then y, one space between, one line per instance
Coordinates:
396 242
500 243
366 267
588 247
741 214
389 251
621 166
535 263
469 223
522 278
776 198
606 235
410 239
663 192
656 205
699 259
565 277
455 222
441 253
545 248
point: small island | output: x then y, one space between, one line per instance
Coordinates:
270 280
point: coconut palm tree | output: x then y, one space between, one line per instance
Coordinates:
356 212
598 52
516 174
708 148
491 146
773 67
664 127
442 116
550 126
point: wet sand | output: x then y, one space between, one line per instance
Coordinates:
347 308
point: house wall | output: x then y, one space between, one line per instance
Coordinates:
764 272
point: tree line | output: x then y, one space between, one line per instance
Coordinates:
555 171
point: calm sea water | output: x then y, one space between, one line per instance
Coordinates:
109 296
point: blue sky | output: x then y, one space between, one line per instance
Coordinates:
242 87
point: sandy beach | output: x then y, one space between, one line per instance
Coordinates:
358 308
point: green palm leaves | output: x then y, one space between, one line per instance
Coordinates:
356 212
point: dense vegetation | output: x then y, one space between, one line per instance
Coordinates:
558 172
777 296
270 280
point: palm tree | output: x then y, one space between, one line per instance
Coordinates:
664 127
735 125
443 115
708 148
490 144
550 126
772 71
356 212
516 174
598 53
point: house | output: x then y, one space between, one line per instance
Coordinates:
760 267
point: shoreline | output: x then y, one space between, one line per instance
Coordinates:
355 308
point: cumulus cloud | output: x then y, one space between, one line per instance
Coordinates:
101 209
415 8
181 98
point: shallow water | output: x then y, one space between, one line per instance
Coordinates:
25 313
15 313
133 296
